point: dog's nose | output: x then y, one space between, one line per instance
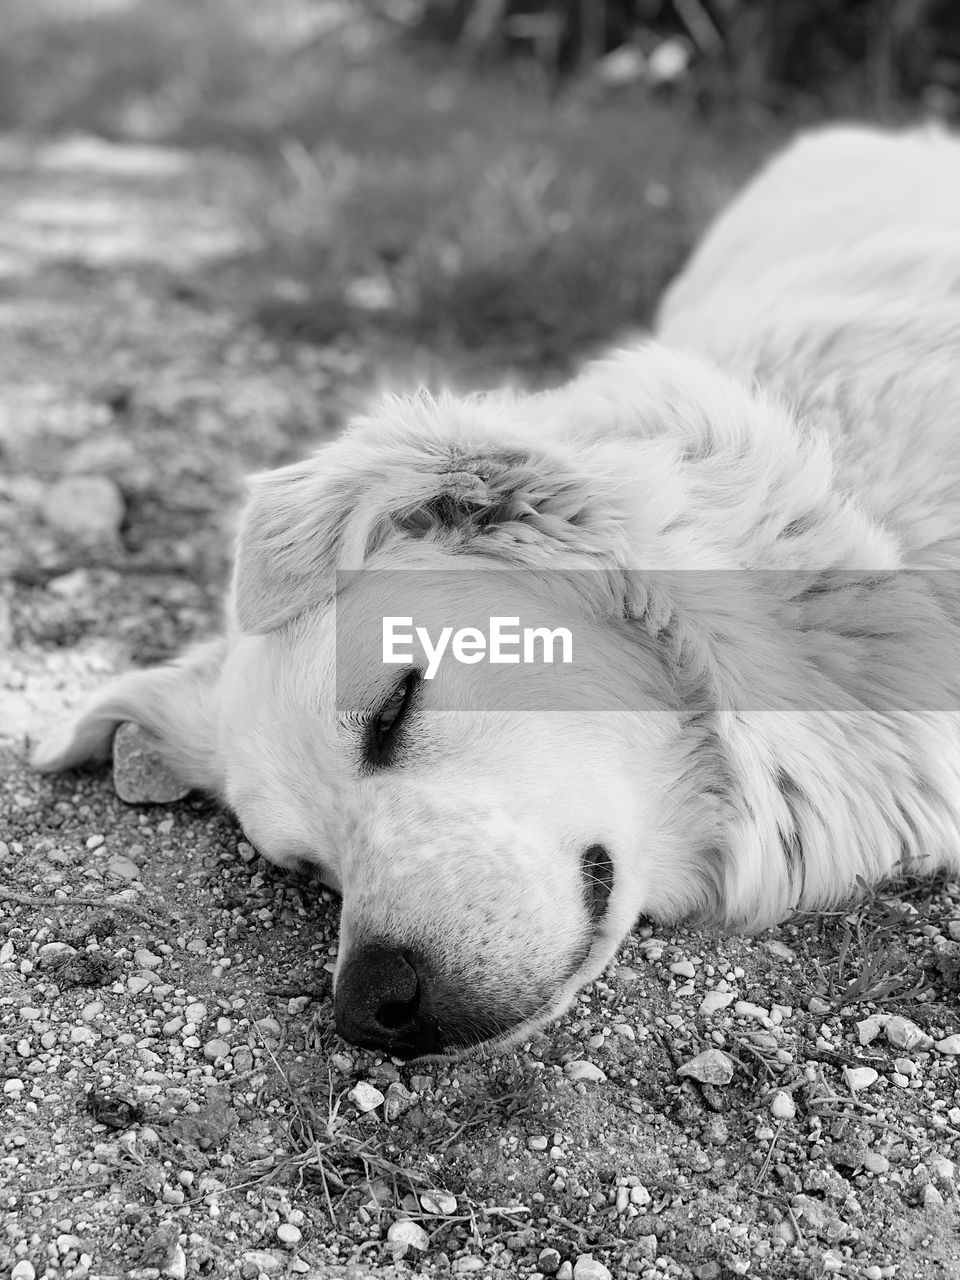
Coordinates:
382 1002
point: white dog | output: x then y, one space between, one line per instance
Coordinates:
747 524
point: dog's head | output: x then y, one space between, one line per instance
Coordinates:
494 833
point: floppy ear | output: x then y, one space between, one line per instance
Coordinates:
292 537
429 472
177 703
305 521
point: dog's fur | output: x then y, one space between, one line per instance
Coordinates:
783 734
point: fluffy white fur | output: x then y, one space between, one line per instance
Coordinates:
787 729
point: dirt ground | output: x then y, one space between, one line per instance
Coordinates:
174 1099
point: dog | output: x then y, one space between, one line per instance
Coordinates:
750 521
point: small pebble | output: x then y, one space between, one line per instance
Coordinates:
860 1077
950 1045
932 1198
549 1261
215 1049
869 1028
586 1267
23 1270
903 1034
710 1067
288 1234
783 1106
407 1235
745 1009
713 1001
365 1096
581 1069
176 1268
399 1100
440 1203
942 1168
780 949
263 1260
683 969
123 868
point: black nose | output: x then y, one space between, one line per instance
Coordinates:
383 1001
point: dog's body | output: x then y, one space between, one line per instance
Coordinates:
766 500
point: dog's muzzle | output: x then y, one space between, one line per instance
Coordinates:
391 1000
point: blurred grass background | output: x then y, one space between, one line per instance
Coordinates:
502 184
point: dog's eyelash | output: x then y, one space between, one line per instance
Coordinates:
383 728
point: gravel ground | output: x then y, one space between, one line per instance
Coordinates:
175 1101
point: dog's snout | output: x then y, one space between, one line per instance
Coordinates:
383 1000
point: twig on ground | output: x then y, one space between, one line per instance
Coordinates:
768 1159
151 915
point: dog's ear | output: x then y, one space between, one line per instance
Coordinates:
176 703
441 470
293 536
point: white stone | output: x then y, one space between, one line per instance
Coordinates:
932 1199
903 1034
950 1045
407 1235
176 1268
399 1099
783 1107
587 1267
365 1097
942 1168
713 1001
263 1260
440 1203
745 1009
860 1077
710 1067
123 868
581 1069
869 1028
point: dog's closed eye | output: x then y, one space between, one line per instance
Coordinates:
384 729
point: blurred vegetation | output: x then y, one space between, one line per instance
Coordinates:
429 184
879 52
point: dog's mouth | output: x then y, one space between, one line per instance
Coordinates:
396 1000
